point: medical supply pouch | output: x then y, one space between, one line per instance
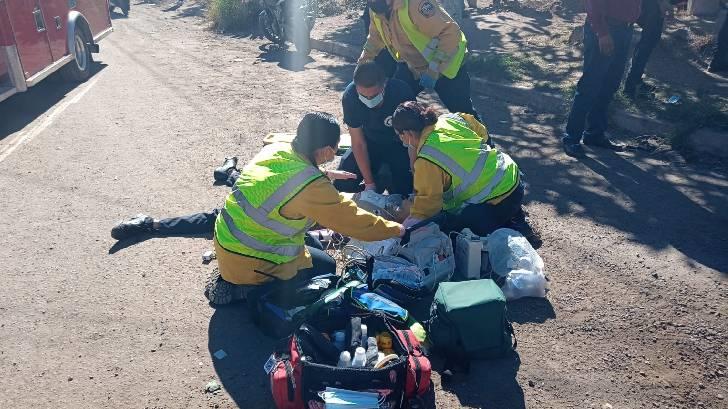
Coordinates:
281 310
431 250
468 318
419 369
299 373
397 279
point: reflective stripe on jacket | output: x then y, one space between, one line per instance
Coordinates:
250 224
479 173
439 62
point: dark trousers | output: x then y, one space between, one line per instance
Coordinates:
454 93
595 90
484 218
720 58
652 21
204 223
399 179
193 224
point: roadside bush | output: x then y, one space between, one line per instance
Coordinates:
228 15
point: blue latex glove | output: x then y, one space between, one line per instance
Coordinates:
426 81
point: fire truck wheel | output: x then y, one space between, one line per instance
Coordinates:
79 69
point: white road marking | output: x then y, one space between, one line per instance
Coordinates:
41 124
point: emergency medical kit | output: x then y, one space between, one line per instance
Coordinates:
305 372
468 319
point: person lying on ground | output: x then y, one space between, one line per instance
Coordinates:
456 171
260 232
195 224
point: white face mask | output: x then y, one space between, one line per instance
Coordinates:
373 102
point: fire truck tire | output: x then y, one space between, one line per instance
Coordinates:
79 69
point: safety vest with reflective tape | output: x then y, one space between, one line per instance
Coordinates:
425 45
479 172
250 224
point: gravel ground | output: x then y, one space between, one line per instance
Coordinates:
635 244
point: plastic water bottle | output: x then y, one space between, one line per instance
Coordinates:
372 351
360 358
508 250
363 334
344 359
339 339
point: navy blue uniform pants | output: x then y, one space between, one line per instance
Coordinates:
454 92
652 22
601 78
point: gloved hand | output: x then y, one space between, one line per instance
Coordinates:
428 80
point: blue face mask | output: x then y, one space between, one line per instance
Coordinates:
373 102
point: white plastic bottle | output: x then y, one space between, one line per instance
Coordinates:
363 334
344 359
360 358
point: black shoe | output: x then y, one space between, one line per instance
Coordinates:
222 172
137 225
521 224
605 143
221 292
573 149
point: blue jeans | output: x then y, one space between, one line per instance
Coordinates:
652 21
601 78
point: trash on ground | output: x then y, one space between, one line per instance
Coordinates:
212 386
673 100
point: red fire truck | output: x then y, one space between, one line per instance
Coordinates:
39 37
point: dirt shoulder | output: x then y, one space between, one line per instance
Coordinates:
634 246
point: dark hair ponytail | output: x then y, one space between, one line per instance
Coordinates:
413 116
315 131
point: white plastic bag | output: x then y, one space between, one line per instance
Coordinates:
524 283
508 250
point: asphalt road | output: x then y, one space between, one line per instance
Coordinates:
634 244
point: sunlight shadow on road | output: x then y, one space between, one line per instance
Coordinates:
534 310
489 384
22 109
286 59
241 371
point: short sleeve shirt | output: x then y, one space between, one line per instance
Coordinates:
376 122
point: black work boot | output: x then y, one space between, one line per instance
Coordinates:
520 223
221 292
135 226
572 146
222 172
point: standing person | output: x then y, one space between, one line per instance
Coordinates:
652 22
368 104
456 171
607 38
428 45
720 58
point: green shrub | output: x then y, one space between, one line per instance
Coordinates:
233 14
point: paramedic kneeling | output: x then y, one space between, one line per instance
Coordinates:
455 170
281 193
